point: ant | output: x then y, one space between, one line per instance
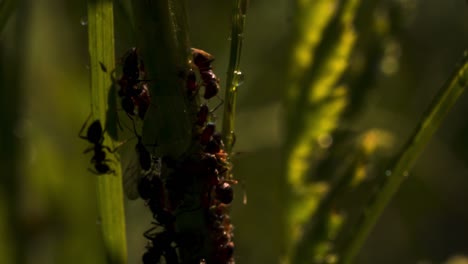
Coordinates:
203 60
132 92
144 156
95 136
204 112
160 246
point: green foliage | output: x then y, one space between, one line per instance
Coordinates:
442 104
109 186
234 76
332 90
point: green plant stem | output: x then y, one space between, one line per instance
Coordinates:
109 186
162 40
439 108
234 76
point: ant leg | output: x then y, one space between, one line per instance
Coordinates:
120 144
220 104
102 173
83 127
88 150
147 234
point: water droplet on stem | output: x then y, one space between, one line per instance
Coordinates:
238 78
84 21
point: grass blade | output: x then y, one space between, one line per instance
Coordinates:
109 187
234 75
439 108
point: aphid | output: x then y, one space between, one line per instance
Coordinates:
215 145
131 69
95 136
202 115
203 60
144 157
143 101
207 133
161 244
225 252
134 175
224 193
191 82
211 84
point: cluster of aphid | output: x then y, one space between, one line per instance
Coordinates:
215 167
198 181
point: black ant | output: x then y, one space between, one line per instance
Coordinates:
133 90
95 136
204 112
161 245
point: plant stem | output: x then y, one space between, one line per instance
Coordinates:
234 76
162 41
439 108
109 187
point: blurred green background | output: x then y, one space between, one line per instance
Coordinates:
48 198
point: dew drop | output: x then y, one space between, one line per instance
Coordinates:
238 79
388 172
325 140
331 258
84 21
405 173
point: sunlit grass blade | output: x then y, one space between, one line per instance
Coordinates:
234 75
432 119
109 186
315 102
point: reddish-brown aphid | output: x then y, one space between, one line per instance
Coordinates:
143 101
202 115
202 60
191 83
207 133
224 193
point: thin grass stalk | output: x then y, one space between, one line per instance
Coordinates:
109 186
432 119
234 75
